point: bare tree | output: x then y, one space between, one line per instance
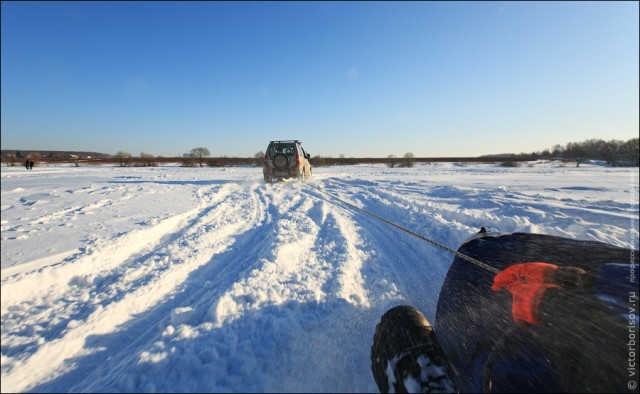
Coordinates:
576 152
611 151
124 158
631 151
392 160
259 156
200 154
557 150
408 160
614 152
147 160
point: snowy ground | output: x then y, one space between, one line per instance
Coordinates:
204 279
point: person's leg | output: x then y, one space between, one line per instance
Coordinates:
406 356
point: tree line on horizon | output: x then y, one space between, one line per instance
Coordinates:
613 152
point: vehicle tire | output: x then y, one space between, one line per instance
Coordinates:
281 161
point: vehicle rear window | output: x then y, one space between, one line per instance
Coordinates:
287 149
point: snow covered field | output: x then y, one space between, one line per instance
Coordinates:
205 279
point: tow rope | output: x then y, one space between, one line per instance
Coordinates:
432 242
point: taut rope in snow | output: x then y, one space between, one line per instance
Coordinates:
432 242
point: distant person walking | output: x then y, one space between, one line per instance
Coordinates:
26 164
31 163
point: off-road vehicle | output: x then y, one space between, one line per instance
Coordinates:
286 159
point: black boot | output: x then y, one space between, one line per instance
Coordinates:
406 356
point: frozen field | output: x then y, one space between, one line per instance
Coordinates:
205 279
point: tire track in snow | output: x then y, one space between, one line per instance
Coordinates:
192 248
394 253
78 210
299 256
188 307
107 255
414 211
286 270
316 256
507 210
331 335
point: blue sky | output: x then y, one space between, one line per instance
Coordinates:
353 78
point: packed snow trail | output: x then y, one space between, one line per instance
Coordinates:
174 279
104 296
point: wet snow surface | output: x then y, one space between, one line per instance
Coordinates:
178 279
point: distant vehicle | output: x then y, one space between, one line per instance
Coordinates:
286 159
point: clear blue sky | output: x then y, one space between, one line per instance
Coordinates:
352 78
